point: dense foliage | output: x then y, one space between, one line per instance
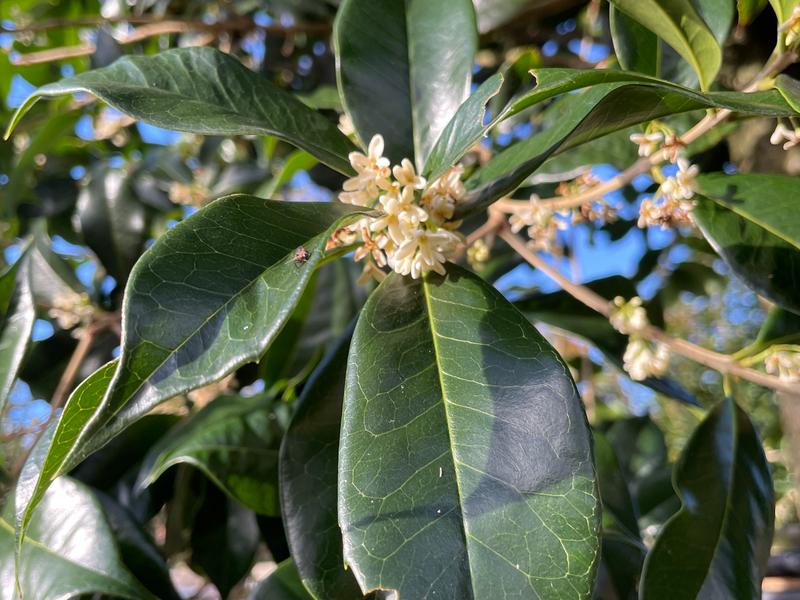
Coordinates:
275 278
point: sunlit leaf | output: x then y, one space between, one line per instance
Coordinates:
464 454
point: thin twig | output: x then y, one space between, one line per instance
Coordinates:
75 361
720 362
241 24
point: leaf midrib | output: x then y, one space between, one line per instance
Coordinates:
439 373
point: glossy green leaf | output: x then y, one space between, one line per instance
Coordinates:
678 24
69 550
637 48
209 296
224 540
749 10
619 510
726 519
194 311
594 113
137 549
202 90
783 8
112 222
17 314
719 15
234 442
404 67
465 456
493 13
308 459
464 130
48 459
283 584
752 221
790 88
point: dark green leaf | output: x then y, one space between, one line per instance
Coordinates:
202 90
493 13
137 550
309 454
112 222
623 558
464 130
17 314
619 510
194 311
678 23
726 519
783 8
211 295
637 48
752 221
465 457
48 459
283 584
69 550
234 442
790 88
779 327
224 540
404 67
595 113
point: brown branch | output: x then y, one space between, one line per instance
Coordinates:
723 363
241 24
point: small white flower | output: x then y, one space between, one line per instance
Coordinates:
792 27
400 215
372 175
647 142
629 317
440 198
682 185
406 176
642 359
70 309
784 363
784 134
424 251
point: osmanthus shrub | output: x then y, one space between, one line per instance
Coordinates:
441 448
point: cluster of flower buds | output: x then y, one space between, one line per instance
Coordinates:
785 363
642 358
672 203
71 309
414 231
542 224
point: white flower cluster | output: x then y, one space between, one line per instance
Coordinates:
783 135
642 358
629 317
413 234
672 202
70 309
542 225
785 363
